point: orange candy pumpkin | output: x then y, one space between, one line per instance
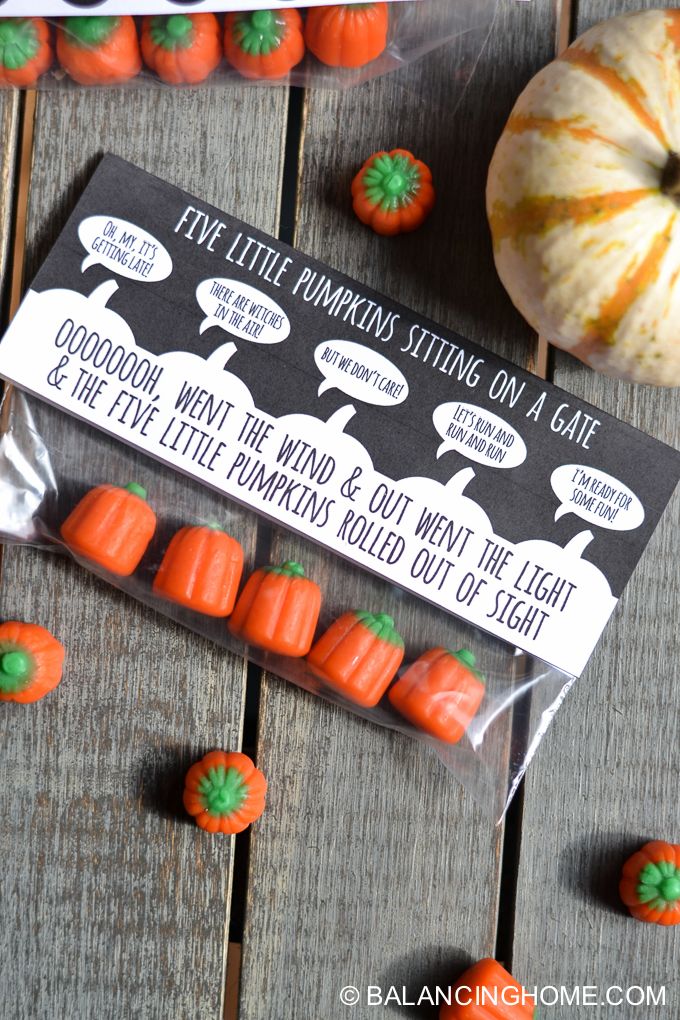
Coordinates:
347 35
358 656
30 662
264 44
278 610
486 991
181 47
201 569
440 693
25 51
650 884
224 792
111 526
393 192
99 50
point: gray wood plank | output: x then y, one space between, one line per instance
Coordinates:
9 115
374 866
113 903
603 782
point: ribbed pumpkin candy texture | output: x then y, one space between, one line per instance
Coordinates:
181 48
650 884
583 199
278 610
347 35
440 693
393 192
264 44
99 50
30 662
224 792
111 526
25 51
201 569
358 656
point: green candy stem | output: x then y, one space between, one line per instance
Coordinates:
136 490
90 30
16 668
258 33
173 32
382 625
223 791
467 659
290 568
18 43
659 885
392 182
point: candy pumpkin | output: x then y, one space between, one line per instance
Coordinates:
224 792
30 662
201 569
111 526
650 884
393 192
181 47
358 656
278 610
486 991
583 196
98 50
264 44
25 51
440 693
347 35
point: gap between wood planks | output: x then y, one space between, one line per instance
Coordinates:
542 366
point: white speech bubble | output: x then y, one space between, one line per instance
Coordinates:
596 497
360 372
479 435
123 248
242 311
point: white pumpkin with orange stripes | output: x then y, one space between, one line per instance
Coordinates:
583 199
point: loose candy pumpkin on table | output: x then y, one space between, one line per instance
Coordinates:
650 884
111 526
440 693
201 569
224 792
278 610
486 991
393 192
99 50
25 51
181 48
30 662
358 656
347 35
583 199
264 44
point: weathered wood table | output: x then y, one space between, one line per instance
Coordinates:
373 867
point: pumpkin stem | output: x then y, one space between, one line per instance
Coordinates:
223 791
341 417
670 178
18 42
15 670
457 483
91 30
136 490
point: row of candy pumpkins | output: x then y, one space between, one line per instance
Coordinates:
187 48
278 611
583 199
